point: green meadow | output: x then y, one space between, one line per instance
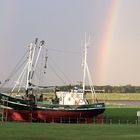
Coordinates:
44 131
121 114
119 124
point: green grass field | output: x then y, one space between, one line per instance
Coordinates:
44 131
121 114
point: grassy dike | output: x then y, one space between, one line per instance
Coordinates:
116 96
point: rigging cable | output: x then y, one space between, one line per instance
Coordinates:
57 74
65 76
62 51
41 65
16 68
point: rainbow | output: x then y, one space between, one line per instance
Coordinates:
106 40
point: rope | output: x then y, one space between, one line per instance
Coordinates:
62 51
16 68
60 70
57 74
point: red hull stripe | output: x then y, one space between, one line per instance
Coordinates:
38 115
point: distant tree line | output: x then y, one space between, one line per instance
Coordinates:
105 89
108 88
119 89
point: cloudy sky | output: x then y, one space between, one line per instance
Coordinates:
113 25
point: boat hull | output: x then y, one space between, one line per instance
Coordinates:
20 110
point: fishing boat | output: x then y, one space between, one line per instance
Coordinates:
70 106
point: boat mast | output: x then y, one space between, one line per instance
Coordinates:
86 69
37 58
27 68
34 52
32 61
84 65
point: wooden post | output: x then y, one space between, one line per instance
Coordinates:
138 115
136 122
2 113
110 121
77 120
138 119
69 120
127 122
119 122
61 120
